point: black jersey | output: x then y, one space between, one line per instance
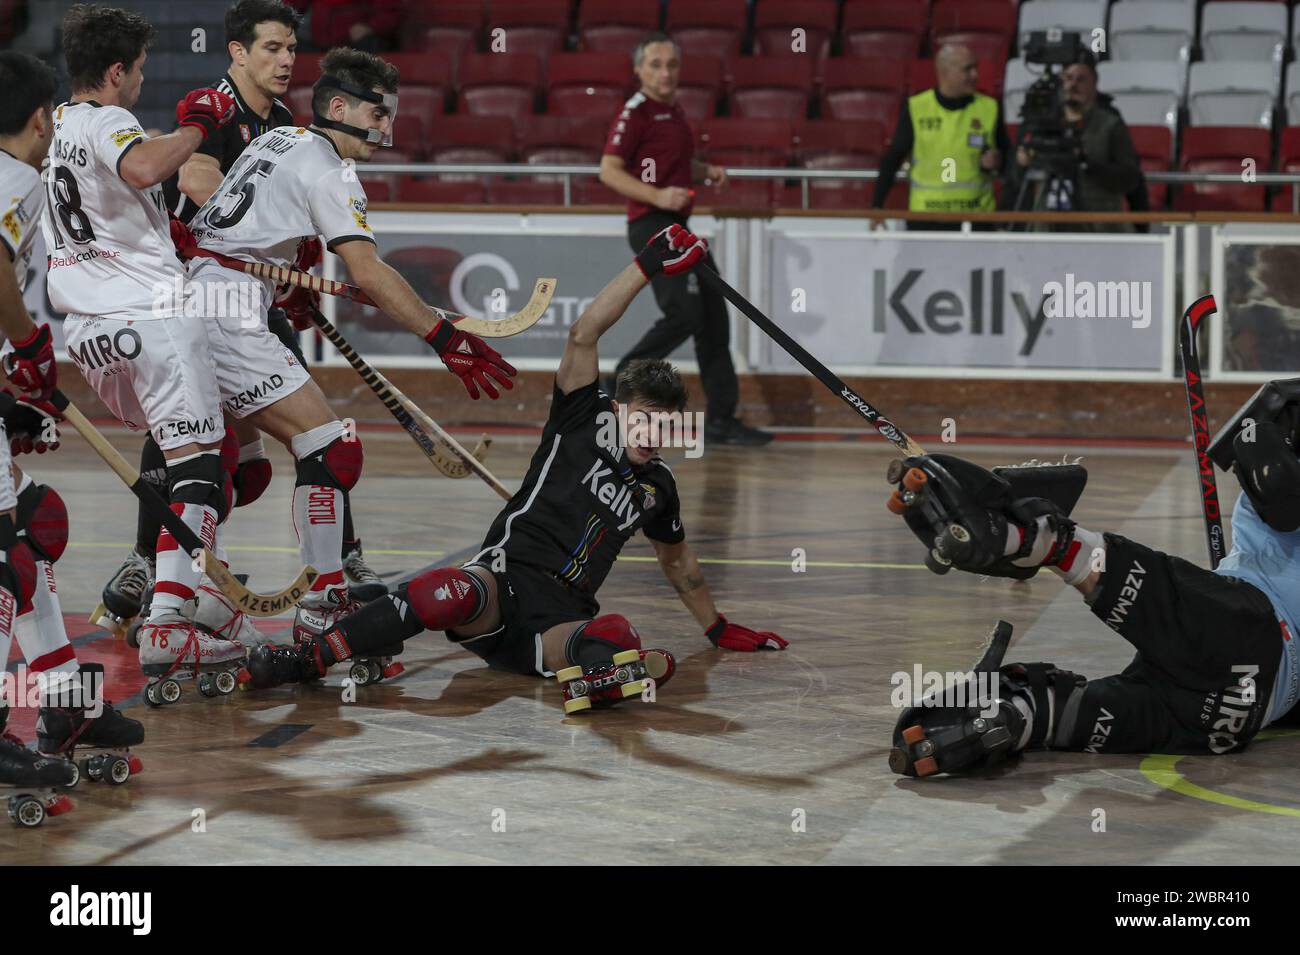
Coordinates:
581 501
227 143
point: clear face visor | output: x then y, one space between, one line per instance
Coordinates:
386 101
377 137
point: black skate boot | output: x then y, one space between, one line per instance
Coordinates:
304 662
22 769
363 583
78 717
125 595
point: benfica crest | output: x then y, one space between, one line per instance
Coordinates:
244 131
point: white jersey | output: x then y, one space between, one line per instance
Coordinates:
109 244
289 184
22 196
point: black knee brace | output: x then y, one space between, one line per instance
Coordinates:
199 480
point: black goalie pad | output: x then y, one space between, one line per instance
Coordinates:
1277 401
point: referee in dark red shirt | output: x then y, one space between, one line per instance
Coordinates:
649 158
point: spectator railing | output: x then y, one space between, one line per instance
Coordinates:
806 176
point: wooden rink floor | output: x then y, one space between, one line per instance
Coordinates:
745 758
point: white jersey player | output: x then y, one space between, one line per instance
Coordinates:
289 187
113 269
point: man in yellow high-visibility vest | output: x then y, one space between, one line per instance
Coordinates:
955 140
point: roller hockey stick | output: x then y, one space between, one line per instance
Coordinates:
1199 413
520 321
446 453
251 602
887 428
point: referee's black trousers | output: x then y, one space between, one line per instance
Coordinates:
688 310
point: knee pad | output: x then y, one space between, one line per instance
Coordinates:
338 465
199 479
18 575
251 479
43 521
596 641
446 597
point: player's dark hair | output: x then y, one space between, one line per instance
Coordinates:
242 19
656 37
356 68
95 37
29 85
653 381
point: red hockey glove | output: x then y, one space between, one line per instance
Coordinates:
299 303
31 365
471 359
671 251
730 636
207 110
32 424
183 240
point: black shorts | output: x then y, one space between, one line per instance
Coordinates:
1197 634
531 601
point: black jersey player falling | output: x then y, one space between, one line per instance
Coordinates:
527 601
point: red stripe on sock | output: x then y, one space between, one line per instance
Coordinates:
1067 561
53 658
325 580
173 588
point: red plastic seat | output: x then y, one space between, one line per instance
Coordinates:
863 89
298 100
499 84
377 189
526 193
699 86
921 76
759 194
530 26
588 84
615 26
771 87
774 24
592 192
1155 146
471 139
985 26
306 70
707 26
746 142
560 139
420 69
1221 149
836 144
880 28
418 189
1288 160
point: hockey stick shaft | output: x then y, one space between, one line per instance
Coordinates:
405 410
252 603
887 428
1198 412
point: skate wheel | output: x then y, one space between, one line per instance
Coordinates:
169 691
626 656
913 735
225 682
896 504
393 669
207 686
76 775
635 688
577 704
954 542
926 766
90 769
899 762
136 764
656 664
27 811
375 671
915 479
895 472
119 771
936 563
569 673
133 635
151 695
359 673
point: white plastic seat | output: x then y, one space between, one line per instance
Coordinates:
1151 30
1291 96
1235 32
1018 78
1081 16
1231 94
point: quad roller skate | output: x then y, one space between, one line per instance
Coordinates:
126 596
270 666
173 649
367 670
363 583
952 541
625 676
36 778
68 724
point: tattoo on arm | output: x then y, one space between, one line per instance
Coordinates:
687 582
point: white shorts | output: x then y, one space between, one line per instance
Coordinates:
8 493
157 374
254 368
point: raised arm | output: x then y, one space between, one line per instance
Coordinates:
147 162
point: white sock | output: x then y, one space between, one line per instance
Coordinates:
40 630
1085 551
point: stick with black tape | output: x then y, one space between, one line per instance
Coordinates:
887 428
249 601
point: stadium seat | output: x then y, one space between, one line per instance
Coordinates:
874 28
774 24
1288 160
298 99
1145 93
1231 94
445 28
1152 30
421 189
707 26
921 76
471 139
737 194
776 87
590 191
615 26
1080 16
530 26
985 27
745 142
418 111
836 144
1222 149
377 189
544 140
1019 76
420 69
1155 147
1253 31
1291 96
306 70
869 89
499 84
699 86
588 84
526 192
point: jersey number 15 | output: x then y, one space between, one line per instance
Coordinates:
238 199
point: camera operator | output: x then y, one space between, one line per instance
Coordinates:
1097 146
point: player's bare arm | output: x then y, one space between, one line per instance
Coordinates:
683 571
15 321
200 177
150 161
